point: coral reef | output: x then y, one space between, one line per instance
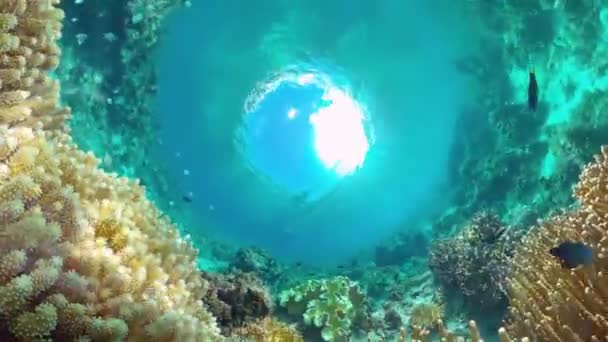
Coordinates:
426 315
548 302
444 334
509 154
403 246
253 259
474 263
83 254
333 305
108 77
236 299
268 330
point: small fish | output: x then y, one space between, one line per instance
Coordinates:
187 198
340 266
572 254
532 90
298 264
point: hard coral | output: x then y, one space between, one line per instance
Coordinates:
420 334
268 330
236 299
474 262
548 302
426 315
253 259
83 254
333 305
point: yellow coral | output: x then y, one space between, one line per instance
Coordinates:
83 254
269 330
548 302
426 315
420 334
110 229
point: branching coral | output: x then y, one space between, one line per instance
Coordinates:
420 334
474 262
268 330
548 302
333 305
83 254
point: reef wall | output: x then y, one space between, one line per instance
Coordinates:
83 253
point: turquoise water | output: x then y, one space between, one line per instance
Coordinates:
279 140
395 61
384 145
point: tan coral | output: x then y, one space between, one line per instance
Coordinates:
269 330
426 315
421 334
548 302
83 254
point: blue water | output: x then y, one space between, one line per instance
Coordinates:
282 148
397 60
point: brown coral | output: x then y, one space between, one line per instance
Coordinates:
269 330
420 334
474 262
426 315
83 254
236 299
548 302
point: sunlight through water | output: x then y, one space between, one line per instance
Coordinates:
304 132
340 139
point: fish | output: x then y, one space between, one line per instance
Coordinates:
187 198
532 90
572 254
340 266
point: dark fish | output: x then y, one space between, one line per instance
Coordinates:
340 266
187 198
572 254
532 91
497 235
298 264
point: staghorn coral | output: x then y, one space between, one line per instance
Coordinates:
474 263
83 254
333 305
549 303
267 330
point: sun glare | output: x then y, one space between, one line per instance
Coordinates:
340 138
316 114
